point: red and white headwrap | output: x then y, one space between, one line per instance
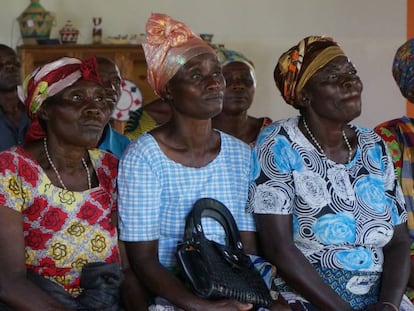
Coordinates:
50 79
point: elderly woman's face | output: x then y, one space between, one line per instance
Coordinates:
79 113
240 87
334 91
197 88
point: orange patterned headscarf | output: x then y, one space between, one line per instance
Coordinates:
169 45
296 66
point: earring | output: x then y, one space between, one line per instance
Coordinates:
306 100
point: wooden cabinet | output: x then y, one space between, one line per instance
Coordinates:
129 58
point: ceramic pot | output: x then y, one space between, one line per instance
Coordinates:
69 34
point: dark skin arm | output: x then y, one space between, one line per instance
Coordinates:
251 247
411 279
15 289
249 240
160 281
296 270
133 293
395 276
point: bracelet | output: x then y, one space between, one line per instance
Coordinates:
391 305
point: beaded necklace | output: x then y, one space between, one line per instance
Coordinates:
49 159
320 147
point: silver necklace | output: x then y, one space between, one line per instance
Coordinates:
49 159
320 147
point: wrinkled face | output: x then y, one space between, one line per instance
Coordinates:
240 87
335 90
197 88
10 75
78 114
111 79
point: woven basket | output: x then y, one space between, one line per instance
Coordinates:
35 21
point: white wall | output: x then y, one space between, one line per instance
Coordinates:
368 30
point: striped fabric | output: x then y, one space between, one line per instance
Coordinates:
399 137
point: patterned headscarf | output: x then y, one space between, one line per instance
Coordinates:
169 45
226 57
403 67
296 66
50 79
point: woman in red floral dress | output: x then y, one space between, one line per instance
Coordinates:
58 235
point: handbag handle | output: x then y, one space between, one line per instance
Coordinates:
208 207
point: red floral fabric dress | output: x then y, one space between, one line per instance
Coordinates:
63 230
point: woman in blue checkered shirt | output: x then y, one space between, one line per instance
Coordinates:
166 170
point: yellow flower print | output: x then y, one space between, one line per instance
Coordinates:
59 251
15 186
79 263
30 257
16 191
75 291
63 197
99 243
61 279
76 229
66 196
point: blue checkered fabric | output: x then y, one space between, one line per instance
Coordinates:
156 193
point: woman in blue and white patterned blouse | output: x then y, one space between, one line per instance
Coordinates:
329 210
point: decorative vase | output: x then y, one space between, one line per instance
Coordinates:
69 34
35 22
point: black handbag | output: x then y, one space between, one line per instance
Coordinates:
216 271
